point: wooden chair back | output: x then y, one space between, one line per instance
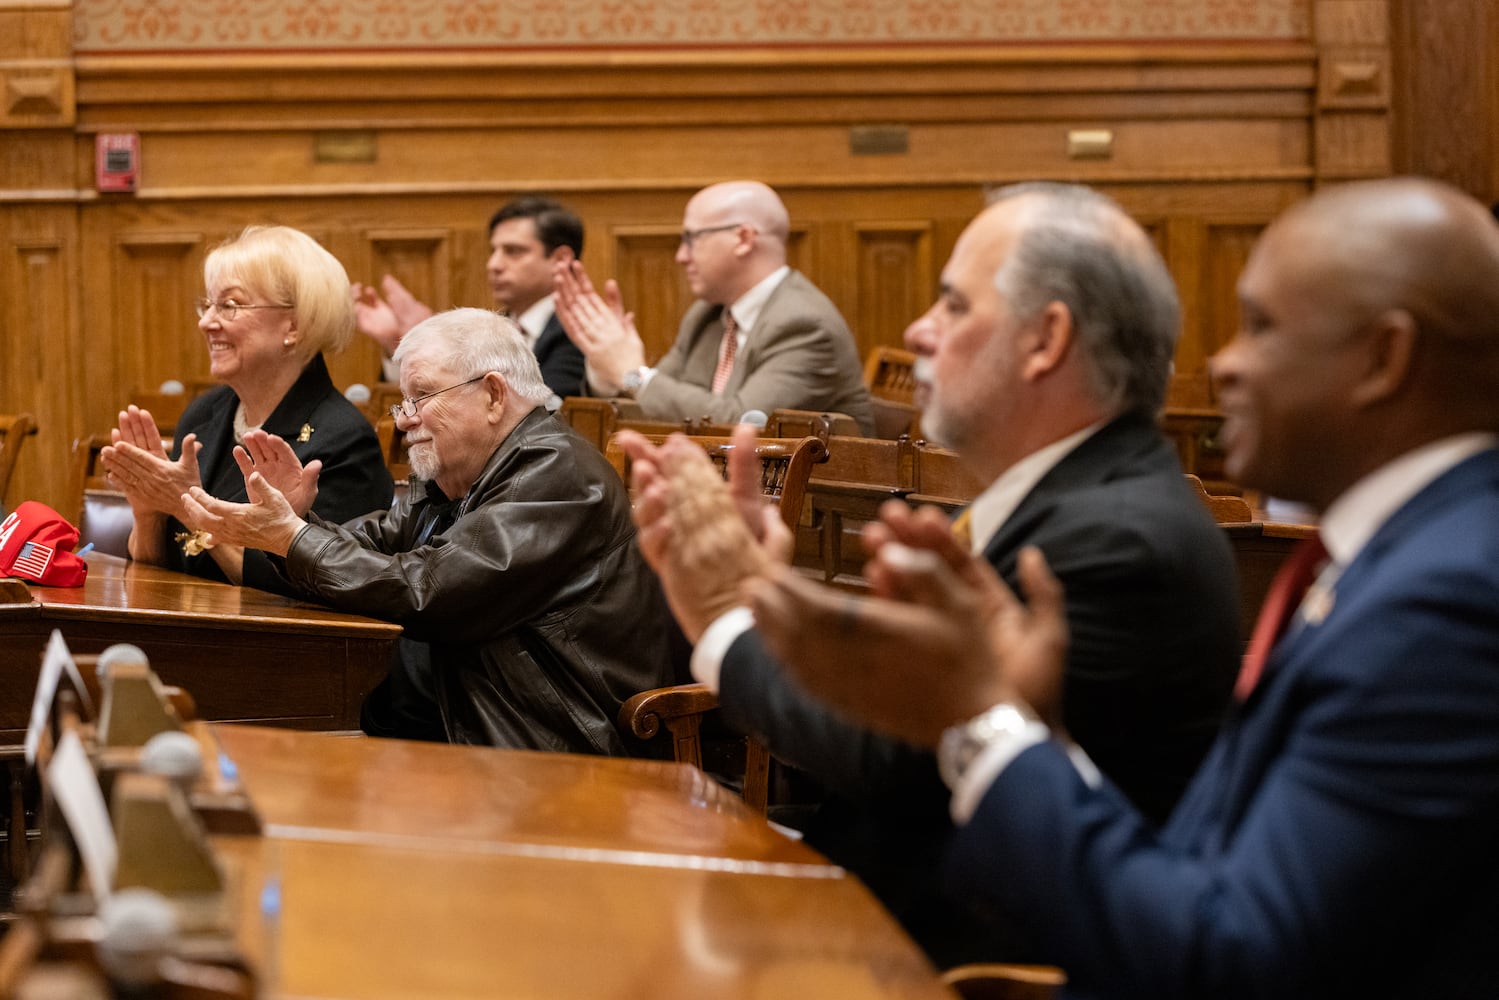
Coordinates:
811 423
942 479
14 429
383 395
890 373
786 465
1225 509
393 447
843 494
1005 981
895 419
597 419
103 515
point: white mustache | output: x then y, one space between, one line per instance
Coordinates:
922 370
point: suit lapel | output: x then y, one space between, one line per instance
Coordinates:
1118 445
1256 733
780 299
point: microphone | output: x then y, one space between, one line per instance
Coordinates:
757 417
358 394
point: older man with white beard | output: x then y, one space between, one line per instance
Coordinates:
530 615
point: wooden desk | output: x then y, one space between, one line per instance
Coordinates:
456 872
244 654
429 795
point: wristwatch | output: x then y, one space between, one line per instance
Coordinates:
963 742
630 384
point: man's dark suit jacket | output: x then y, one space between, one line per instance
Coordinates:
1152 602
1340 838
561 361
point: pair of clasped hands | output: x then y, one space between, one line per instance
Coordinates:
941 640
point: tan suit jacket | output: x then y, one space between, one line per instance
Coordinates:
799 355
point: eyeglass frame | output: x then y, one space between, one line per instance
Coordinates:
204 304
411 408
687 237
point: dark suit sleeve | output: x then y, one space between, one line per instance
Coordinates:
1377 802
561 361
757 697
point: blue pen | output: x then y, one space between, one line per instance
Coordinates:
85 550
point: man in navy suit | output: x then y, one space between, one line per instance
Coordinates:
1339 840
1043 364
528 237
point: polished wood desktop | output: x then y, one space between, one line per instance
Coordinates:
444 872
244 654
406 793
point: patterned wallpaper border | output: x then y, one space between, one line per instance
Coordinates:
270 26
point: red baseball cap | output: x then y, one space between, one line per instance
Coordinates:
36 544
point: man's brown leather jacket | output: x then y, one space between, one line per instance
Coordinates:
540 614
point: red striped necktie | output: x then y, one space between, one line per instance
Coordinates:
726 350
1281 601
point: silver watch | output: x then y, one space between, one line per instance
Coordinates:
963 742
631 382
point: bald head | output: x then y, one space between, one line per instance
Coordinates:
1412 247
1369 327
734 236
749 202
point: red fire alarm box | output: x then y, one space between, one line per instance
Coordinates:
117 157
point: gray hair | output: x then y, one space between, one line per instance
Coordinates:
479 341
1079 248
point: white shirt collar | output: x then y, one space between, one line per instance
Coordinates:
1362 509
993 507
535 319
746 308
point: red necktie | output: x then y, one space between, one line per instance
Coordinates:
1281 601
726 350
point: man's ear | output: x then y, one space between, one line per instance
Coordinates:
1046 341
1387 357
562 254
498 391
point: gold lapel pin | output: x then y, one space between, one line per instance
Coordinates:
305 434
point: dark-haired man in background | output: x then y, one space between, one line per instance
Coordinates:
527 238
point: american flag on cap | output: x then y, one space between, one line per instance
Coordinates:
33 559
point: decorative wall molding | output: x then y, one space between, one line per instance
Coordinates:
195 26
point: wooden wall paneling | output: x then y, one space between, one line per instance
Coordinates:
895 281
1354 136
1446 91
40 364
420 259
1227 244
36 80
643 260
1180 240
158 275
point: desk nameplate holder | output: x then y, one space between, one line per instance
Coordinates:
160 825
